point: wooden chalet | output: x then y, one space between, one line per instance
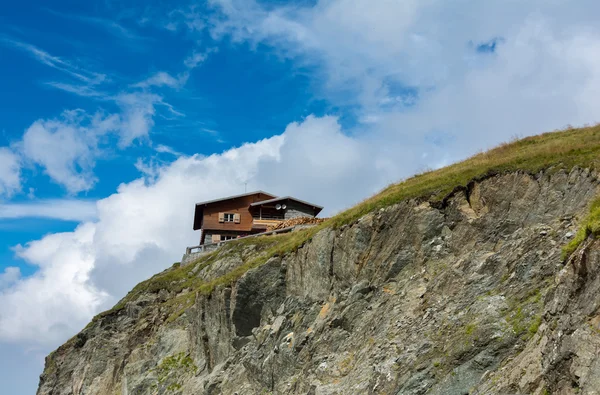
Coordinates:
243 215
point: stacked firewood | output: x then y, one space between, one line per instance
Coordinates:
295 222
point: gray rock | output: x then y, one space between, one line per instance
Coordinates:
464 297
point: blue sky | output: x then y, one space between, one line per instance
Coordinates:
115 117
243 93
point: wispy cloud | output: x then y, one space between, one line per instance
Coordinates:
196 58
79 90
210 131
61 209
165 149
163 78
191 18
109 25
87 76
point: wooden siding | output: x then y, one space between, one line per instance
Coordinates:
234 206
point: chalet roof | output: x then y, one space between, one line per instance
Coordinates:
235 197
279 199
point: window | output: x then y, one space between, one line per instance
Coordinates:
223 237
228 217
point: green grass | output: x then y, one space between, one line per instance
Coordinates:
590 226
565 149
535 324
171 367
177 278
556 150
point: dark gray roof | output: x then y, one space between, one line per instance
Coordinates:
285 198
235 197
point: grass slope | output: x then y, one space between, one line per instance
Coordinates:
556 150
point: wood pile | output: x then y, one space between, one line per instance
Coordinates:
295 222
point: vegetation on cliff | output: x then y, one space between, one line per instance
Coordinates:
590 226
469 291
556 150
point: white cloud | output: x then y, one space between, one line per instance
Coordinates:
10 276
543 75
140 231
196 58
55 62
66 149
163 78
79 90
375 54
63 209
136 117
148 168
59 297
165 149
109 25
187 18
10 172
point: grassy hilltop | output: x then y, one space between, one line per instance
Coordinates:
550 151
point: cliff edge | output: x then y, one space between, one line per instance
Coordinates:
479 278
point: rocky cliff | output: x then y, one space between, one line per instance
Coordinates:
470 293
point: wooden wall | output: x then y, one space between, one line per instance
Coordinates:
234 206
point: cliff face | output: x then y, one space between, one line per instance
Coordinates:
470 295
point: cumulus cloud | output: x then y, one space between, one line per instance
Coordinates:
10 172
10 276
59 297
146 225
64 153
424 93
414 65
66 147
